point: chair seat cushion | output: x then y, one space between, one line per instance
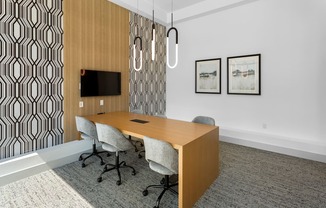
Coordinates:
160 169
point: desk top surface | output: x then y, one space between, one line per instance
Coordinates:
176 132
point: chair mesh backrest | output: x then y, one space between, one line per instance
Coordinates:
162 153
112 136
204 120
86 127
138 111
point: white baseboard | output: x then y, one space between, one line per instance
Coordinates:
20 167
288 146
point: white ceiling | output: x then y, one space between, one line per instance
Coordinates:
183 10
166 5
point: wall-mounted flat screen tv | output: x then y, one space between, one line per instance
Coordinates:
99 83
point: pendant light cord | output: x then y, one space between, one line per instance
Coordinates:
137 37
153 11
171 13
153 36
137 31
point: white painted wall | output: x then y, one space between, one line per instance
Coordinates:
290 36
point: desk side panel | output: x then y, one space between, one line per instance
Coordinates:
198 167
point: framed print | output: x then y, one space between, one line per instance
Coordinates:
243 75
208 76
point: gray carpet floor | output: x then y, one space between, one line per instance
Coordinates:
249 178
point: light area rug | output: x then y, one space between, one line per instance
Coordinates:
46 189
249 178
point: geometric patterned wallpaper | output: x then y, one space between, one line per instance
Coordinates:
147 86
31 75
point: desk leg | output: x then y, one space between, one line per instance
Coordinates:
198 167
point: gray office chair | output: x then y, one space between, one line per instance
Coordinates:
134 140
142 151
160 115
138 111
114 141
87 131
204 120
163 159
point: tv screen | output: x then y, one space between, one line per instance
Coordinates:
99 83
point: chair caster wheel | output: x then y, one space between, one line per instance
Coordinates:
99 179
155 207
139 156
162 181
83 165
102 163
145 193
80 158
118 183
133 173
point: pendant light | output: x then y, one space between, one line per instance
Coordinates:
153 36
176 43
141 54
140 45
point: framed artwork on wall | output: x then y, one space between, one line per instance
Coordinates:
243 75
208 76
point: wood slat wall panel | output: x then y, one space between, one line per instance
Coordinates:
96 36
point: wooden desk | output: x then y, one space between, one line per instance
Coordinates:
198 147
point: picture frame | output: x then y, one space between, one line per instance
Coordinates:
244 75
208 76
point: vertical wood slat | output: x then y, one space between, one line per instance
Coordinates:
96 36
